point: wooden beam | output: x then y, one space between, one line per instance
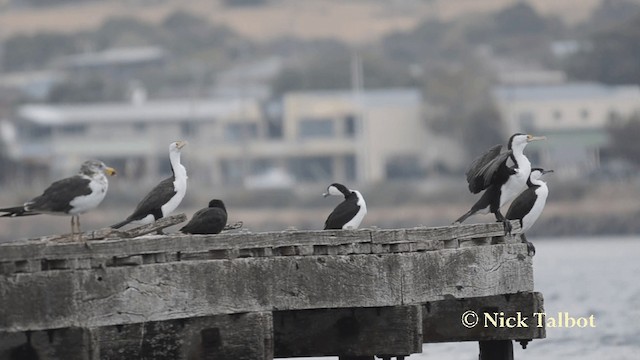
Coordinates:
442 321
245 336
496 350
421 239
348 333
144 292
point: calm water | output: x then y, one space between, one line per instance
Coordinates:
599 276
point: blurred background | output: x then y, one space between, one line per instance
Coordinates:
280 98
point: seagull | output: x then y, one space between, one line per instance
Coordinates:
528 206
349 213
165 197
73 196
502 183
210 220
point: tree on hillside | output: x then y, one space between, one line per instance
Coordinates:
624 139
28 52
611 56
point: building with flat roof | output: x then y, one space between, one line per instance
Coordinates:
574 116
312 137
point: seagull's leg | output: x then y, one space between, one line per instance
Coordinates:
531 250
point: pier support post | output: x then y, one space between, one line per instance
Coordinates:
496 350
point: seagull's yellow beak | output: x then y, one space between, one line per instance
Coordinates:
110 171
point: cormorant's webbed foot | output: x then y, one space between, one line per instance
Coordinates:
531 250
507 226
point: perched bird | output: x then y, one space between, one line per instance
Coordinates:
70 196
528 206
501 182
165 197
349 213
210 220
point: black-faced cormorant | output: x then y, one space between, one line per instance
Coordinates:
70 196
528 206
163 199
501 182
210 220
349 213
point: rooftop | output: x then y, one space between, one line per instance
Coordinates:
150 111
566 91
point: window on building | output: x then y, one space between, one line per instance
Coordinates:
140 126
74 129
274 128
316 128
237 132
312 168
232 171
557 115
350 126
350 167
189 128
404 167
584 114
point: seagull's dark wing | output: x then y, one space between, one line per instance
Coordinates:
483 170
341 215
522 204
206 221
152 203
57 197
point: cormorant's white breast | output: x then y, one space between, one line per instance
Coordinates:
70 196
349 213
163 199
528 206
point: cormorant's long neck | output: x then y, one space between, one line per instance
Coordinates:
518 158
535 182
176 167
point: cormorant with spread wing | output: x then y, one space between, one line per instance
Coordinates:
501 183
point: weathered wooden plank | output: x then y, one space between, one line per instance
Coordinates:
436 234
54 344
429 239
496 350
466 272
178 242
154 292
87 298
247 336
361 331
444 321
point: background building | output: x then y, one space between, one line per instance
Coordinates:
574 117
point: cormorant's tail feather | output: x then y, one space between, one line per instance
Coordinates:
120 224
17 211
465 216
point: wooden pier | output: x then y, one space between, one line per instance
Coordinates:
353 294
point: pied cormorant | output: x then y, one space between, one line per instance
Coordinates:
70 196
528 206
501 182
349 213
163 199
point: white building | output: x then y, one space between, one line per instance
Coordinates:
573 116
311 137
